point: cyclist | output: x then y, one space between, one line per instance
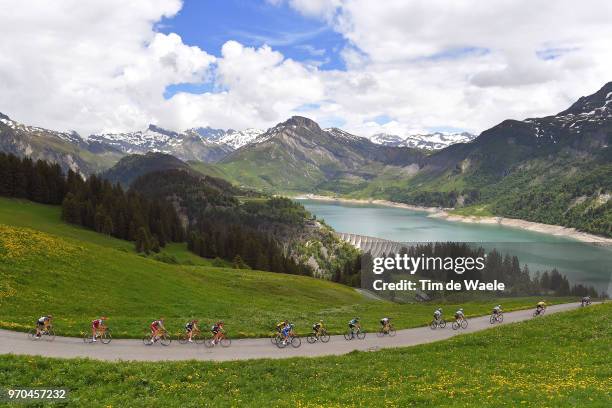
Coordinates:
217 330
354 324
586 300
189 328
98 327
43 324
281 325
318 328
156 327
459 315
438 314
287 329
497 310
384 322
540 307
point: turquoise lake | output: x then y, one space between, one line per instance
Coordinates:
580 262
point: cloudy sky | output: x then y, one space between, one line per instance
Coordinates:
396 66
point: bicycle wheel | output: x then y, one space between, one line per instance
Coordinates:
361 335
325 337
208 343
433 325
311 338
455 325
348 335
274 338
500 318
50 336
281 343
183 338
106 337
32 335
296 342
392 331
464 324
225 342
147 340
442 324
165 340
380 333
492 319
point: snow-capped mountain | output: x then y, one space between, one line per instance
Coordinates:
229 137
430 141
185 145
71 137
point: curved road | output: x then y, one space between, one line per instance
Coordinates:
135 350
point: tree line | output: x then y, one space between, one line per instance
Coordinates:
36 181
243 245
93 203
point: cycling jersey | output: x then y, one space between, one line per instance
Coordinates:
496 310
189 326
353 322
437 314
97 323
42 321
157 324
286 330
384 321
459 314
215 328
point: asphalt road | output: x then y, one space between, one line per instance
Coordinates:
135 350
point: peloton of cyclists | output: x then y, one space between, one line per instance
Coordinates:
189 328
98 326
43 324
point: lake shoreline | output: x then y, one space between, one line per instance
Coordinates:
443 213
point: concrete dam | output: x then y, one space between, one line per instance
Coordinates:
376 246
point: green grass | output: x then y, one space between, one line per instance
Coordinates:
555 361
47 266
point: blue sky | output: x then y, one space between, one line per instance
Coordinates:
210 23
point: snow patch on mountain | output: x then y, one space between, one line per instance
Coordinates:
430 141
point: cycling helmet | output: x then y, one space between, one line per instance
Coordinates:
461 310
499 306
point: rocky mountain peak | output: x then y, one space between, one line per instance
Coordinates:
301 121
600 100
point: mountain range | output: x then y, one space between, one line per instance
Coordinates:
555 169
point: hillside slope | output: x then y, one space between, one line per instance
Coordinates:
47 266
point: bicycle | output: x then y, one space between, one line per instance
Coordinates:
354 333
196 337
435 323
496 318
538 312
162 336
322 335
461 323
48 333
387 331
223 340
295 341
104 335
